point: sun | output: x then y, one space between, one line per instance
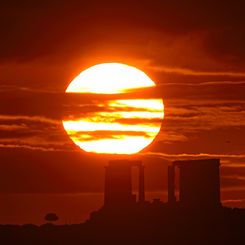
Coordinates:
111 123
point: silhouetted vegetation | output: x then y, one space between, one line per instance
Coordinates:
51 217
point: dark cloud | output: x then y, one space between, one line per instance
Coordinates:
31 104
57 105
226 44
232 181
35 118
236 170
70 28
188 99
105 134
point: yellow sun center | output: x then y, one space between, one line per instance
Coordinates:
114 126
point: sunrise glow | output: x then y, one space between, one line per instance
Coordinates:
115 126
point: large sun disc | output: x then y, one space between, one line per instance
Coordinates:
113 126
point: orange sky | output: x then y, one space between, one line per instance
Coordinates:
194 51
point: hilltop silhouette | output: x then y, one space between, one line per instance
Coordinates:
192 215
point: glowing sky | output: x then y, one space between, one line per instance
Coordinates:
193 50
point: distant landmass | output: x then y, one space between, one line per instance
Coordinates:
196 216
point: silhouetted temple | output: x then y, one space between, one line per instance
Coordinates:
199 183
118 183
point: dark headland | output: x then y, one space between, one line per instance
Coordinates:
192 215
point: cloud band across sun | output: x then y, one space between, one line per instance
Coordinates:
122 126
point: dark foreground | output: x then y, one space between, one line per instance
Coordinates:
139 225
